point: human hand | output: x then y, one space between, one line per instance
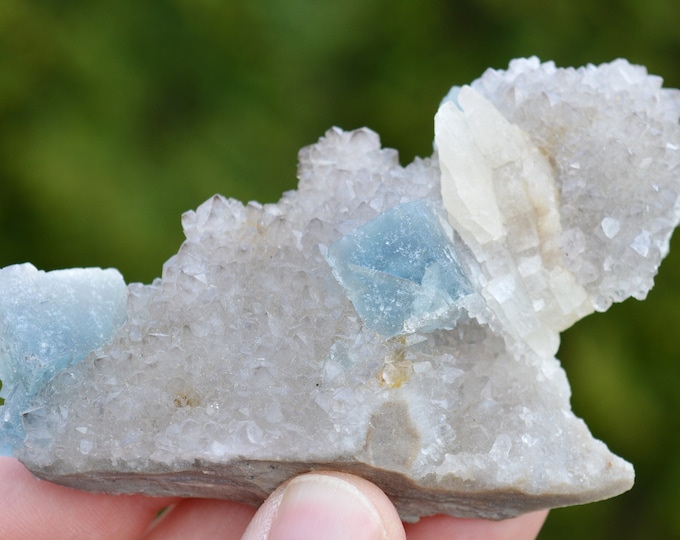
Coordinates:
317 506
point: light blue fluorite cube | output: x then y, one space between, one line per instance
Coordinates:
401 272
49 321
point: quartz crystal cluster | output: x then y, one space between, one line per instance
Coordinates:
400 323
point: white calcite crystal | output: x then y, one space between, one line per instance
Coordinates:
350 327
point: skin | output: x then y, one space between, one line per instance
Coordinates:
324 505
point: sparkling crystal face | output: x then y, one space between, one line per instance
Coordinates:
401 272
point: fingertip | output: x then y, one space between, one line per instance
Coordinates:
33 508
204 518
328 505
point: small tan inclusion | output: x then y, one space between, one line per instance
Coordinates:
396 369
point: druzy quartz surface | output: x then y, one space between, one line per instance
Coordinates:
400 323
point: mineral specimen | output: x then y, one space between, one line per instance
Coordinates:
350 327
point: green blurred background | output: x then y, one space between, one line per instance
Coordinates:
118 115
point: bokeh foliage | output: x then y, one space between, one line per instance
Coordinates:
117 115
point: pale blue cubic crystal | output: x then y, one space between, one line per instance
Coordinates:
401 271
49 321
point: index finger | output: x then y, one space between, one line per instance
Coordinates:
32 509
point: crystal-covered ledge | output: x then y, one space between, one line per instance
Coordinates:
396 322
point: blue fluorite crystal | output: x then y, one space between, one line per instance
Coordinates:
401 272
49 321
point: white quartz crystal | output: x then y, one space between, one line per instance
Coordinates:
247 362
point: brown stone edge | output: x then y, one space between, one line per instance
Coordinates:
251 481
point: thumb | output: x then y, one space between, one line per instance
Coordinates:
329 505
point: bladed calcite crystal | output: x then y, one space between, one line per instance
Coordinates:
350 327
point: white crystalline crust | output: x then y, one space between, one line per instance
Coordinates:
555 161
247 355
611 133
249 304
